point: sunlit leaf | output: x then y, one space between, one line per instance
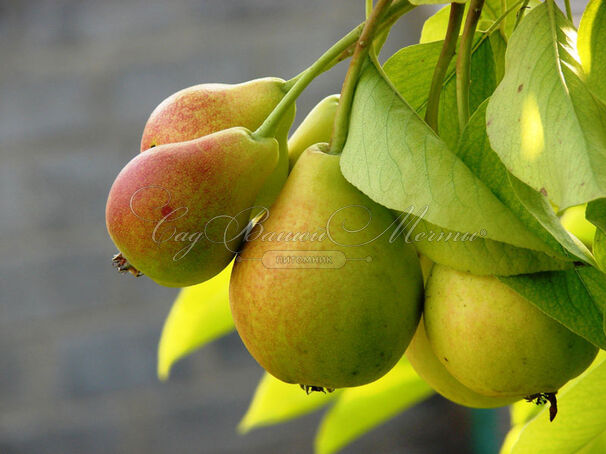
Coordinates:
275 402
358 410
434 28
410 70
523 411
592 46
433 2
580 420
199 315
397 160
542 116
533 209
597 446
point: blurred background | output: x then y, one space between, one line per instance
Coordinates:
78 80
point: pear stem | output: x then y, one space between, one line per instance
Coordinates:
341 125
269 126
448 51
341 50
568 10
463 70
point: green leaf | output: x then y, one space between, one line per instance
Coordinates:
542 116
592 46
596 213
539 206
199 315
434 28
597 446
358 410
411 70
433 2
480 256
575 298
530 207
275 402
594 282
523 411
580 420
499 47
397 160
599 249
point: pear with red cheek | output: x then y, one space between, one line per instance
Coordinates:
175 212
207 108
323 294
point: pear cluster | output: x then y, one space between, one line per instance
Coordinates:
177 211
324 290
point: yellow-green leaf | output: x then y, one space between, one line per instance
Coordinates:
433 2
199 315
542 116
523 411
434 28
599 249
592 46
358 410
580 420
275 402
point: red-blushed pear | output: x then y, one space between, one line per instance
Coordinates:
494 341
172 210
323 294
207 108
430 369
315 128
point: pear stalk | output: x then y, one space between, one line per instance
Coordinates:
448 51
337 53
353 73
464 61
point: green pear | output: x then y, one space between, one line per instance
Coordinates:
316 127
175 211
203 109
430 369
321 294
494 341
574 221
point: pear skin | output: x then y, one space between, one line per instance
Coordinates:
494 341
574 221
207 108
430 369
169 209
321 294
316 127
